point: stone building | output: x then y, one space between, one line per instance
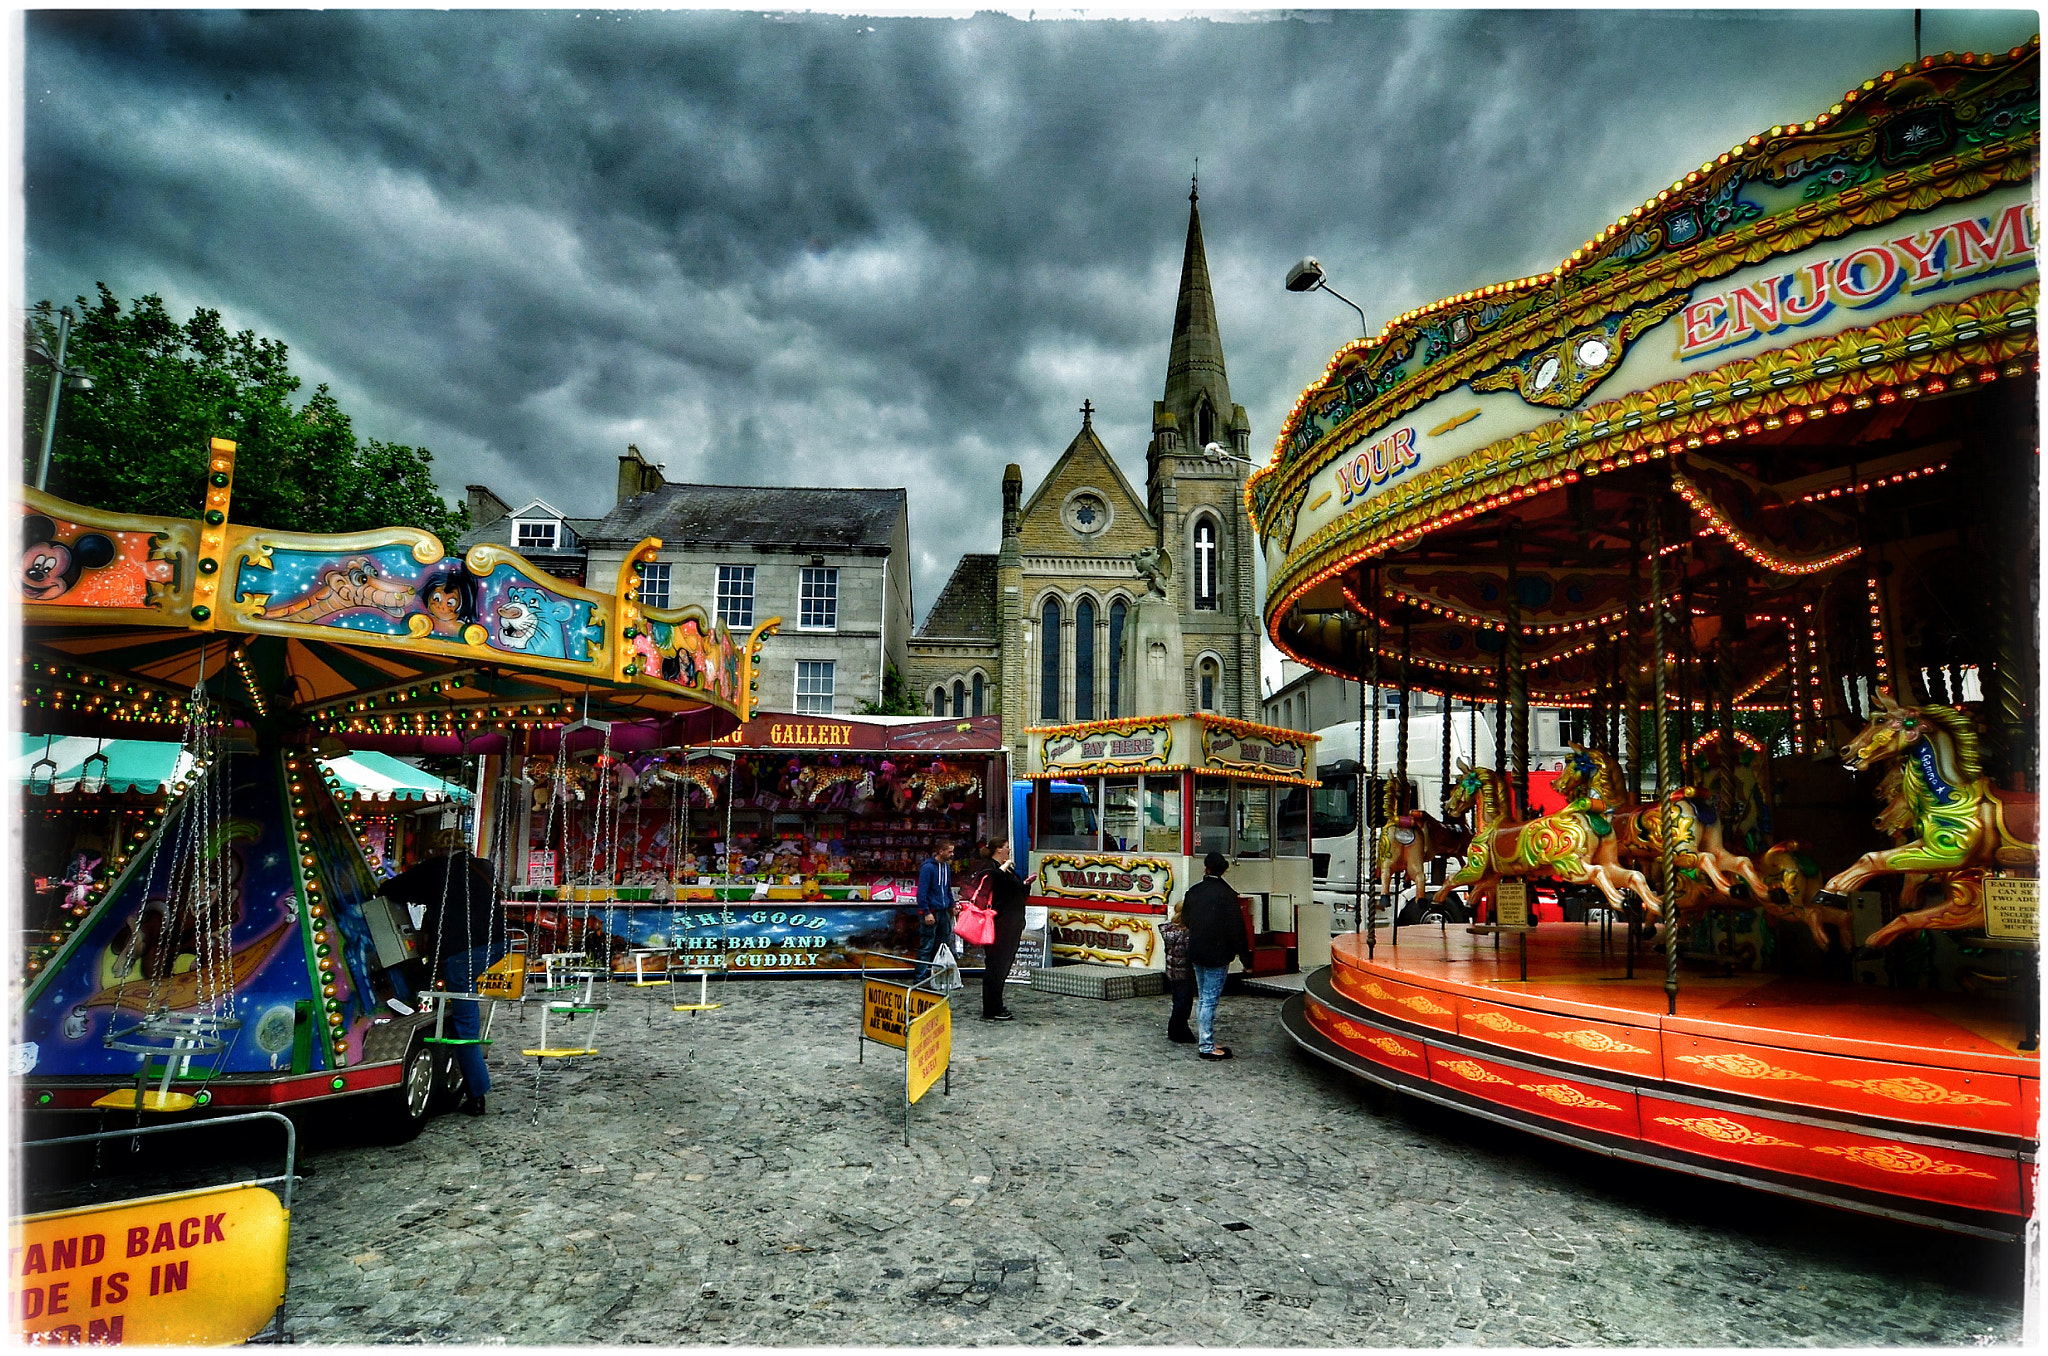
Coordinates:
1036 631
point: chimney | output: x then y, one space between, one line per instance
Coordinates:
484 507
637 475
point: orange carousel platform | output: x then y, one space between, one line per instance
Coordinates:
1915 1105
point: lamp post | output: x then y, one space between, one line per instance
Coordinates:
1308 276
60 377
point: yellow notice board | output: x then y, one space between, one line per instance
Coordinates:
506 979
1511 903
2012 907
882 1018
193 1268
930 1049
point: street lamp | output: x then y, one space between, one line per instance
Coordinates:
60 377
1308 276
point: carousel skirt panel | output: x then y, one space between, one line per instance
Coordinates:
1907 1104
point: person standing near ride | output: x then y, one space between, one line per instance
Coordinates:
1007 894
461 933
1216 932
934 909
1180 977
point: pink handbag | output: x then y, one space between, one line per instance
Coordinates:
974 922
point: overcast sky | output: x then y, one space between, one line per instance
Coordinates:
858 251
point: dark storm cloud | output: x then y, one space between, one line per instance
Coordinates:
855 251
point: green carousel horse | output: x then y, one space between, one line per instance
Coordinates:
1571 845
1936 790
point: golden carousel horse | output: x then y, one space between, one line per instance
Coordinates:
1953 826
1637 827
1570 846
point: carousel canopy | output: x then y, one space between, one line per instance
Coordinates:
370 636
1794 390
149 766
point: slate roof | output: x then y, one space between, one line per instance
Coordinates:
498 532
966 608
756 515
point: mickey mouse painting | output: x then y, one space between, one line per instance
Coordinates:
49 567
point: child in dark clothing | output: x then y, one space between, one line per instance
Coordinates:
1180 977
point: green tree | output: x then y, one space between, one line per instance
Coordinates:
137 441
897 698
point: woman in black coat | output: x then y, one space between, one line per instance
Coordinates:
1007 893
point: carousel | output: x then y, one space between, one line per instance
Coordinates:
1746 487
225 945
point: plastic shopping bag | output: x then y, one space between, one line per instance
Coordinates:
945 970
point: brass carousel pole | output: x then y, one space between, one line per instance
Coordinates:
1372 897
1400 791
1667 828
1632 667
1518 681
1443 786
1358 805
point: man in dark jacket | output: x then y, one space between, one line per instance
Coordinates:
462 935
1216 933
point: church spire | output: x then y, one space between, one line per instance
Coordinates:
1194 365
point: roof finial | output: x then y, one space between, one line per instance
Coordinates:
1195 184
1087 413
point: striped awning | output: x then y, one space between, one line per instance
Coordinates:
67 764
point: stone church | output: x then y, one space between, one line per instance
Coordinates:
1036 632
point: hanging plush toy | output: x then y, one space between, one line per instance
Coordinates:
77 884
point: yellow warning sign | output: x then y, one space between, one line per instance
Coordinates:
187 1269
882 1017
506 979
930 1048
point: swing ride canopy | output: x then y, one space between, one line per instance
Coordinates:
1822 342
152 767
373 638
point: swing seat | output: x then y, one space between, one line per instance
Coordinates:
455 1040
573 1008
124 1099
559 1052
695 1007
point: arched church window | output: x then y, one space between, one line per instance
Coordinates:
979 695
1084 660
939 700
1117 613
959 698
1210 675
1205 563
1049 662
1205 425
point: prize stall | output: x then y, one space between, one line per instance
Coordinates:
1125 811
1748 484
230 949
789 846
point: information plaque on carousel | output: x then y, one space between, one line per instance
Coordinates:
1511 904
2012 907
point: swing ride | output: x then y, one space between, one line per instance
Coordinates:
1747 485
231 948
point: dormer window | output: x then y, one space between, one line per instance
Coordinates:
531 535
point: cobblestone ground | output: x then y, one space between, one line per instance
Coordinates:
737 1177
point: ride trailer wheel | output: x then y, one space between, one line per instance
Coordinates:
404 1112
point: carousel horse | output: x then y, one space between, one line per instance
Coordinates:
1793 879
1566 846
1958 904
1409 840
1940 793
1637 828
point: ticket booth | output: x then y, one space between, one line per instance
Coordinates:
1125 811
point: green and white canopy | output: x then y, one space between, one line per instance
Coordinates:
148 767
